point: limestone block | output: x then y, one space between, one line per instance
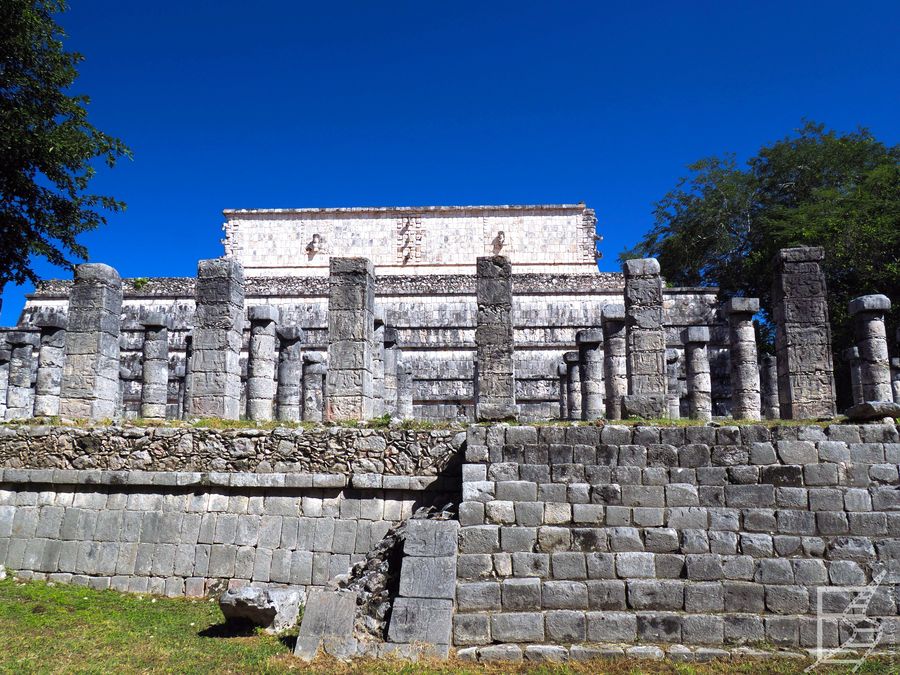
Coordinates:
274 609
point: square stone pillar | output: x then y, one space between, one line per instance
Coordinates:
851 356
215 373
351 324
378 347
90 381
496 385
645 340
315 370
391 358
185 412
562 371
803 335
19 391
51 358
615 371
5 355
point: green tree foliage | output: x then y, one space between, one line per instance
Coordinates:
723 224
48 149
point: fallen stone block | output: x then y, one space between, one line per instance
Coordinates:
327 623
274 609
873 410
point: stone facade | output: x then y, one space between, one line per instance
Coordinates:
700 536
557 238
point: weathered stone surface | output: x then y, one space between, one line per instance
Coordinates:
495 393
745 396
615 372
873 410
422 620
590 360
873 362
90 382
273 609
328 623
351 325
217 336
645 339
699 381
803 335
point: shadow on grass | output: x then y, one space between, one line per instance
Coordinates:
289 641
229 629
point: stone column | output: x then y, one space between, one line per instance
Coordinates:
562 370
315 370
378 367
391 358
19 393
573 385
155 372
5 354
615 375
699 382
188 357
768 376
851 356
290 373
645 340
351 306
673 384
215 379
404 390
871 340
261 362
745 401
90 382
590 361
496 387
51 357
802 335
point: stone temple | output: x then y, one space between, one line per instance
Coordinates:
556 513
424 265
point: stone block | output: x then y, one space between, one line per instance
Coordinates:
419 620
518 627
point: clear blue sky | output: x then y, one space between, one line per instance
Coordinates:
233 104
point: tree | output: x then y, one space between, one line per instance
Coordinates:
48 148
723 224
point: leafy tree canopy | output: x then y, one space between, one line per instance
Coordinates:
48 148
723 224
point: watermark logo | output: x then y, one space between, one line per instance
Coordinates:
864 633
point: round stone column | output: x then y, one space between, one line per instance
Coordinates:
699 382
51 357
261 362
155 371
768 387
745 401
871 340
851 356
590 362
288 395
573 385
562 370
615 375
315 369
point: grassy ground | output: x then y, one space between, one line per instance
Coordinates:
55 629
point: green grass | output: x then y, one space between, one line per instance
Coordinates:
46 628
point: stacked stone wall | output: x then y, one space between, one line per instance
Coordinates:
692 535
191 512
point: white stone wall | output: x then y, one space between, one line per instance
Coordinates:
409 240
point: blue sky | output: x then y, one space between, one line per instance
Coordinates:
292 104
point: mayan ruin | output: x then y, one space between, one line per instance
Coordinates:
506 537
